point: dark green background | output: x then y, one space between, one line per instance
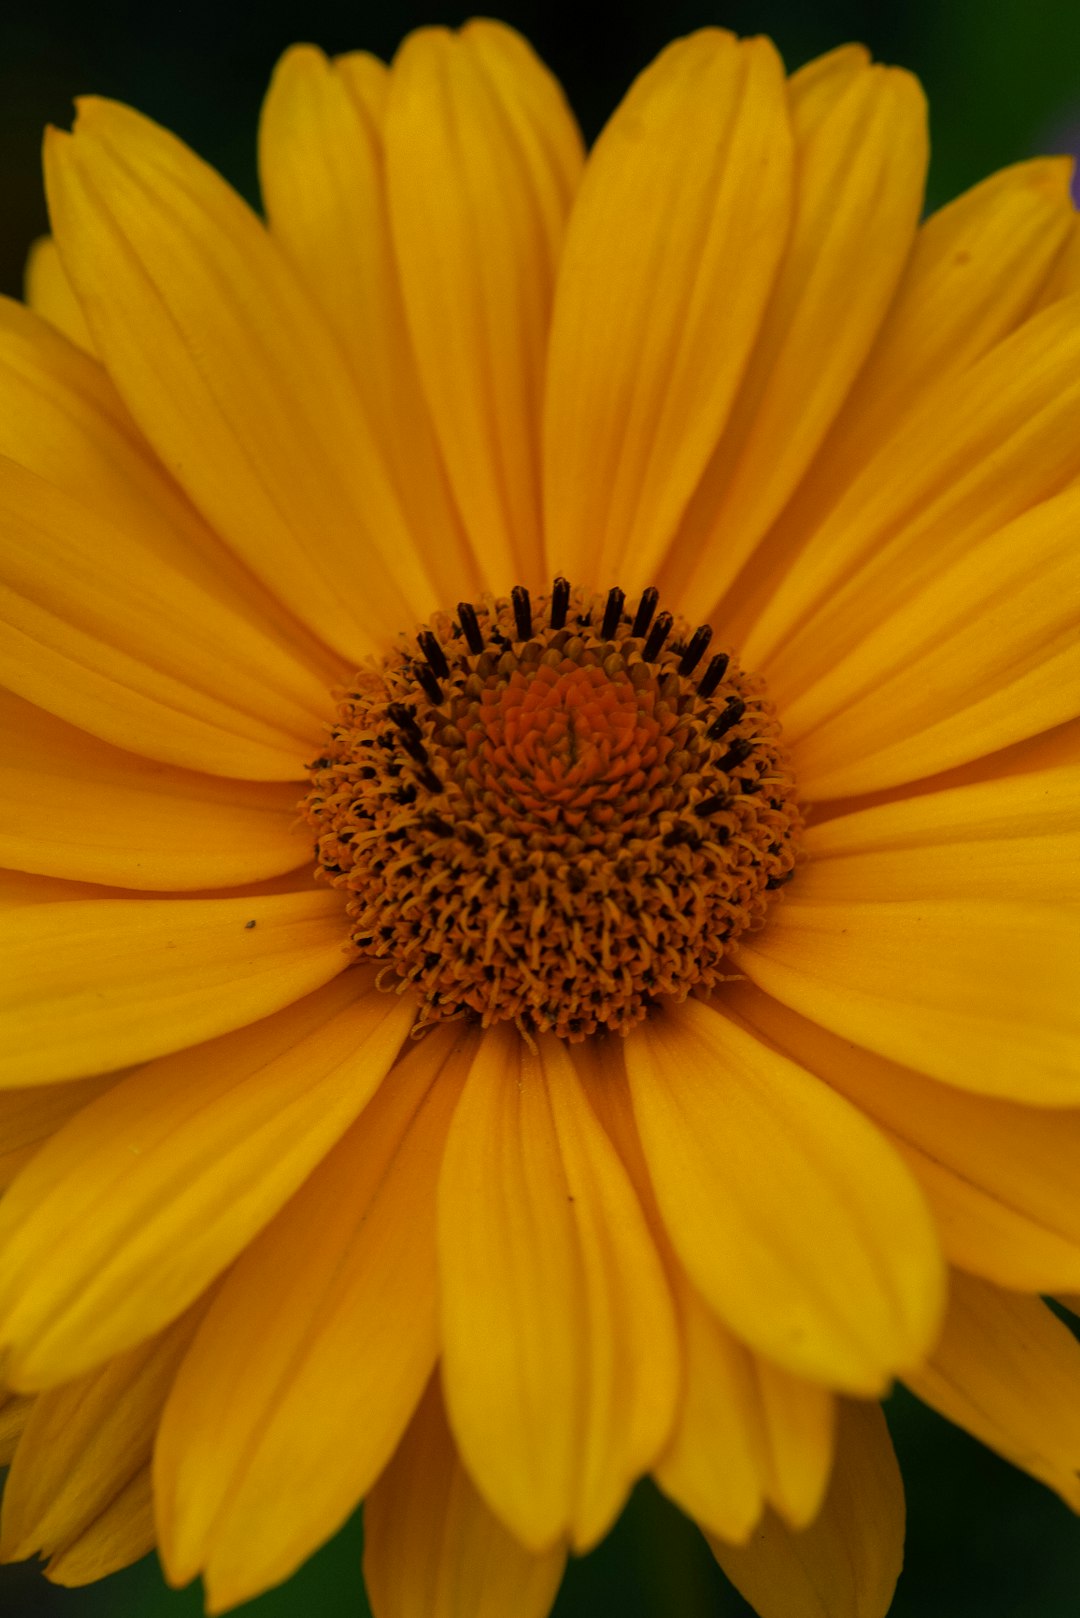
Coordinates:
1004 82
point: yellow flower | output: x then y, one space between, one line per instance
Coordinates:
691 1160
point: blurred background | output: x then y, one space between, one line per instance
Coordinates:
1003 78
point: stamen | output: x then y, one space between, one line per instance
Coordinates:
540 832
646 608
695 651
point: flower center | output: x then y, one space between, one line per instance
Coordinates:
559 813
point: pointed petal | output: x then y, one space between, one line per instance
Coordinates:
316 1351
98 984
860 164
432 1549
826 1262
232 375
483 157
984 655
122 1534
49 293
86 1441
846 1564
1008 1372
976 993
927 496
673 245
999 1177
560 1358
321 165
138 824
131 1210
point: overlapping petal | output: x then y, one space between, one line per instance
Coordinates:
150 1191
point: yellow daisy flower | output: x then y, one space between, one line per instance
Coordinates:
650 585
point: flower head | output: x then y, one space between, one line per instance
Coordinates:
556 690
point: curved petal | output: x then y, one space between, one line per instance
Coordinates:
673 245
482 156
121 1535
137 824
367 80
1008 1372
984 446
559 1350
121 644
860 166
94 985
432 1549
15 1409
987 653
315 1352
49 293
976 993
846 1564
322 173
232 375
828 1264
1014 838
86 1441
148 1193
999 1177
61 418
29 1117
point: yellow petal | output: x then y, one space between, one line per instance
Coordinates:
1064 278
432 1549
1016 838
673 245
49 293
1008 1372
860 165
368 82
560 1357
15 1411
145 1195
846 1564
74 807
999 1177
984 655
123 645
977 993
316 1351
232 375
482 157
1009 440
122 1534
85 1441
61 418
745 1431
28 1117
828 1264
95 985
321 168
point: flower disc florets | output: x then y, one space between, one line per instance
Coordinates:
556 812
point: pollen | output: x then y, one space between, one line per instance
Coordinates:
556 812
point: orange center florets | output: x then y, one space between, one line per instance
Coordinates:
554 815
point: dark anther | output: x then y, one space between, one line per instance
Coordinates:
415 748
426 679
403 717
710 806
713 675
429 779
612 613
696 650
681 833
437 824
522 611
646 608
319 764
779 881
737 753
434 653
470 626
472 838
729 715
560 602
657 637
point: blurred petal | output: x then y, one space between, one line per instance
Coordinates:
49 293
